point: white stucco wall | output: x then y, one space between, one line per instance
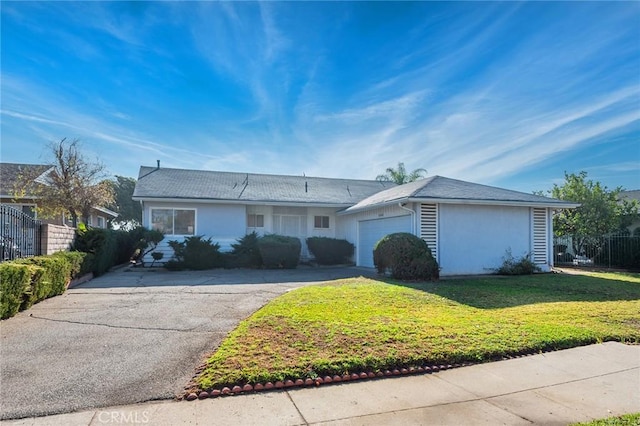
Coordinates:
223 223
310 230
473 239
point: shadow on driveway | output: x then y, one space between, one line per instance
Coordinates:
141 277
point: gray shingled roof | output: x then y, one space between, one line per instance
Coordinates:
442 189
633 194
9 173
166 183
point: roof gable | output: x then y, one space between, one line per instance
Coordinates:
443 189
11 172
167 183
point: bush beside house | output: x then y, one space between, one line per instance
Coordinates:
112 247
251 251
517 266
245 253
279 251
195 253
330 251
406 257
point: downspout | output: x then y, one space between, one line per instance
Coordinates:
413 217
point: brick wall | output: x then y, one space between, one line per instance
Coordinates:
56 238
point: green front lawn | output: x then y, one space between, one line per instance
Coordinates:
362 324
625 420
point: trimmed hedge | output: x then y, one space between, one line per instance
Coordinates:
108 247
279 251
15 281
81 263
57 274
330 251
24 282
406 256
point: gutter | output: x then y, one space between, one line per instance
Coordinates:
413 216
558 205
242 202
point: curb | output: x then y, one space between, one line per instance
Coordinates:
318 381
191 395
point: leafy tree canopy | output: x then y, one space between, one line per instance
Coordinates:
400 175
129 211
601 210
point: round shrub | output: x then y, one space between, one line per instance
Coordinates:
330 251
406 257
279 251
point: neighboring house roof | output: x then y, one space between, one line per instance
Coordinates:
106 211
249 188
631 195
10 173
438 189
634 194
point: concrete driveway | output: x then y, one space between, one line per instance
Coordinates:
130 335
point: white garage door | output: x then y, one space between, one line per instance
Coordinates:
370 232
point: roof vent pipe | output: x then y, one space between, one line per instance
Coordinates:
306 187
157 168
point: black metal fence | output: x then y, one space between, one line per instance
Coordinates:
20 234
606 251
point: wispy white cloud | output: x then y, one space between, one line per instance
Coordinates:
125 145
483 99
491 127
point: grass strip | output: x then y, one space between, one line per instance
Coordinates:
624 420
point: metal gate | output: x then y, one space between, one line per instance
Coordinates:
20 234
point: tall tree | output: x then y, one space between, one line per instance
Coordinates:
129 211
601 210
400 175
74 185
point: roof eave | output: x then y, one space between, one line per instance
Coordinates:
373 206
25 197
106 211
551 204
243 202
555 205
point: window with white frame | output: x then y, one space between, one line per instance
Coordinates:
321 222
255 220
174 221
101 222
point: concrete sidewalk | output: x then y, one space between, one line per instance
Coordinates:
561 387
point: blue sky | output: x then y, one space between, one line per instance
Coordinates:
506 94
